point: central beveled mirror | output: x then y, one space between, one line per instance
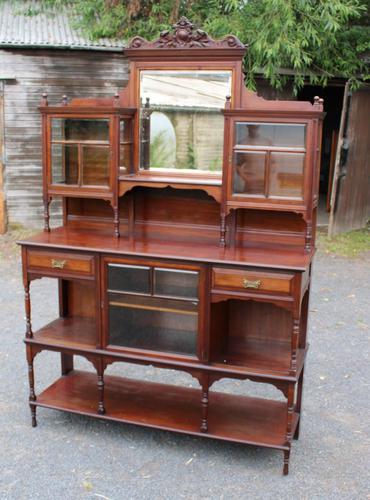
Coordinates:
181 123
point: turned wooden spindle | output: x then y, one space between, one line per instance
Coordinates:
100 371
223 230
116 222
46 216
27 306
204 402
295 339
308 237
31 381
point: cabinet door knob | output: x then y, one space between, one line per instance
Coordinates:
58 264
251 284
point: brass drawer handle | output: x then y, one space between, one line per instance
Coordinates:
58 264
251 284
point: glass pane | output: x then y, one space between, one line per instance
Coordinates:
125 147
135 279
270 134
64 164
249 173
153 323
175 283
177 108
79 129
124 158
286 175
95 165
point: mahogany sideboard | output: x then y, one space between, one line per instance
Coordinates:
189 212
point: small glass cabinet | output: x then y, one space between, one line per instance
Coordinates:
268 162
85 149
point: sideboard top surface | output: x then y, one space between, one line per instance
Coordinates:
195 249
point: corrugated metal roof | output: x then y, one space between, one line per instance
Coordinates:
45 30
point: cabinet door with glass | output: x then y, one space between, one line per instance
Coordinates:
80 152
268 162
86 153
156 307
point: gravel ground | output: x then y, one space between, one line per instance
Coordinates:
72 457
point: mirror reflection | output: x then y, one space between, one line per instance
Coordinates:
181 124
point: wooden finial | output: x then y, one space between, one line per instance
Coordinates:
228 102
318 102
116 100
64 100
44 99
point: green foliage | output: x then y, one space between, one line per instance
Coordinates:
317 39
160 151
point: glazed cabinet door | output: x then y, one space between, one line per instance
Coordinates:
268 162
80 151
156 307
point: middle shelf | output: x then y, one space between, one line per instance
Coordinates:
257 357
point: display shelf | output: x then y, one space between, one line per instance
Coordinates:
233 418
261 355
76 332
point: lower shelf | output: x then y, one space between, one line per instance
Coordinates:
240 419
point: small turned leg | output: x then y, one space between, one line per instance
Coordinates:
116 222
223 230
32 395
27 306
101 409
299 404
286 462
205 401
46 216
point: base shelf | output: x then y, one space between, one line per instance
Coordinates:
240 419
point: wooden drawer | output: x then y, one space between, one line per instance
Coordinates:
60 263
244 280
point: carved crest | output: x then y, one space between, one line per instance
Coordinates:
185 35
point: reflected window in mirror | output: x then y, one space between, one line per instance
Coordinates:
181 123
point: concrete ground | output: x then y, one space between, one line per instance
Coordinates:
73 457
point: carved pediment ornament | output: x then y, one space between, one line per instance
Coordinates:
186 36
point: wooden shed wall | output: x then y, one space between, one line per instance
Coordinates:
57 72
352 207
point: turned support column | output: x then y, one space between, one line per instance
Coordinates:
223 230
308 237
205 401
116 221
101 407
31 380
27 306
289 426
294 345
299 403
46 215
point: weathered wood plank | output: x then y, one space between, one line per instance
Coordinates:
57 72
